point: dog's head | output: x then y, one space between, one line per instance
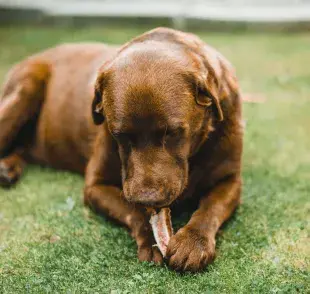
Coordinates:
160 97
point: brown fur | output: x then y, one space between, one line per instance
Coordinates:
168 115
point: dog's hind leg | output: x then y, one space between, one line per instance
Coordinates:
11 168
20 103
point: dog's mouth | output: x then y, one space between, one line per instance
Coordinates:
150 210
149 201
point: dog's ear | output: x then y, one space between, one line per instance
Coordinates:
97 104
207 95
217 83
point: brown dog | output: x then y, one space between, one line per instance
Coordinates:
168 115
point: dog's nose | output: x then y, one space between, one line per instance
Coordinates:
150 197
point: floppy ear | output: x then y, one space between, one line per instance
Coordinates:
207 95
97 104
217 83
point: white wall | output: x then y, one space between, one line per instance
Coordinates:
227 10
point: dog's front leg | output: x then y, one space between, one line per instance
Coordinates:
193 246
107 200
103 196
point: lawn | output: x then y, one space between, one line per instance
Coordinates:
50 243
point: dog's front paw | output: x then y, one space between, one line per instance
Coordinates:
145 241
190 250
150 253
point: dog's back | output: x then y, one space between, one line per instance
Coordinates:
64 130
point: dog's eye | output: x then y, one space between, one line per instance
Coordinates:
174 133
173 136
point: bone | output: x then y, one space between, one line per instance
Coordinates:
162 228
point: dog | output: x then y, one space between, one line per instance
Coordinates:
153 123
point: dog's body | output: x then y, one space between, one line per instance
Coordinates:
64 79
168 112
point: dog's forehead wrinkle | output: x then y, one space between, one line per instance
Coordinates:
138 123
157 87
144 99
140 109
156 74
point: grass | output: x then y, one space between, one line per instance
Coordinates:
50 243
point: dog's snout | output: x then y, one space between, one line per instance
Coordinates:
149 197
149 194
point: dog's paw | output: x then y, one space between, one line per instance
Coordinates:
150 253
190 250
9 173
143 234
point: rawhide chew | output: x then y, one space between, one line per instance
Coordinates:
162 228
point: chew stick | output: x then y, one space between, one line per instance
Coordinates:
162 228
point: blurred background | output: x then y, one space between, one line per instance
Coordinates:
176 13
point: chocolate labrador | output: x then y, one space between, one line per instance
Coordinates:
150 124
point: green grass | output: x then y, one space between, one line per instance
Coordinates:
50 243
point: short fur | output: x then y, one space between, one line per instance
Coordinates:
150 124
